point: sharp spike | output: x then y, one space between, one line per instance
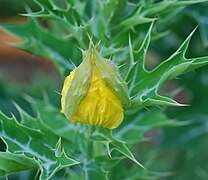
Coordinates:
81 49
27 9
91 44
72 63
122 65
58 93
99 42
128 81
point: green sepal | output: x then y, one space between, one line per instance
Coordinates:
111 75
79 85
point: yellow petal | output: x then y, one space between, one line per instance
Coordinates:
100 107
66 85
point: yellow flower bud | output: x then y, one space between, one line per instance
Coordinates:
93 98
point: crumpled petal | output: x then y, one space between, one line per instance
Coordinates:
101 107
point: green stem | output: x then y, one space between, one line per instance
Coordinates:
98 149
90 144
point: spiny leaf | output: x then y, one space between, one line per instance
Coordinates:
130 22
137 68
49 120
60 5
49 117
40 42
34 144
138 122
101 23
12 163
165 6
144 85
69 17
105 136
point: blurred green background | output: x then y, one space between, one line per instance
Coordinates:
182 151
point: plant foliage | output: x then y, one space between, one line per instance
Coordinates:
48 141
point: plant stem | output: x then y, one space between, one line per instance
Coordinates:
90 144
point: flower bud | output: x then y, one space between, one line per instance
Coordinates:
95 93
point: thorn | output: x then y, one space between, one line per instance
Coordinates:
81 49
133 30
176 91
128 81
27 98
27 9
99 42
72 63
133 96
131 49
67 36
58 93
151 25
178 78
75 22
101 49
159 107
194 71
122 65
145 107
17 106
91 45
121 74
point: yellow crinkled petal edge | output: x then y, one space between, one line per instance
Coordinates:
100 107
